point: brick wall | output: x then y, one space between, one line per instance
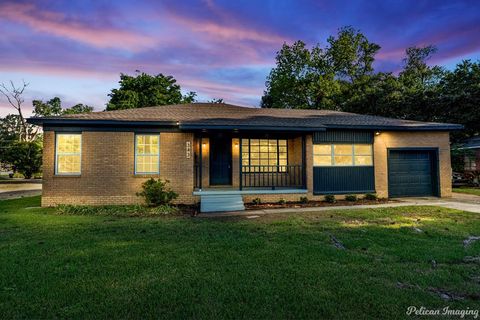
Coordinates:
108 170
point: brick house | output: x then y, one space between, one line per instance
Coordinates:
224 155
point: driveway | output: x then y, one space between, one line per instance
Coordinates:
19 188
459 201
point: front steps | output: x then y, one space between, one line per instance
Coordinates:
221 202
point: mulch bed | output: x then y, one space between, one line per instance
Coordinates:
309 204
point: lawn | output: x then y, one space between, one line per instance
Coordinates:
474 191
275 266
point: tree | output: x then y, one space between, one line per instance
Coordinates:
53 107
24 156
321 78
215 100
144 90
14 96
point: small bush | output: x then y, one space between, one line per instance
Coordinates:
303 200
351 197
330 198
282 201
371 196
257 201
157 193
127 211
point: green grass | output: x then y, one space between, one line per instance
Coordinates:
474 191
276 266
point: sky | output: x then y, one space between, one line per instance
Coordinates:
76 50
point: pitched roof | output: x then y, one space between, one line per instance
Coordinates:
472 143
226 116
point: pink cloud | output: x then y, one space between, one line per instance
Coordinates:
58 24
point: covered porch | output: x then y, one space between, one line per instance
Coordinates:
246 163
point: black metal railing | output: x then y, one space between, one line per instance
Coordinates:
197 176
272 176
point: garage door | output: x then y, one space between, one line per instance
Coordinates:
412 173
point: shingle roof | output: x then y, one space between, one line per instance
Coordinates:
215 115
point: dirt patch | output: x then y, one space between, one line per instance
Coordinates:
313 204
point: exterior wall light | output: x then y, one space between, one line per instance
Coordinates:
377 133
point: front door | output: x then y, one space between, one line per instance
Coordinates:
220 161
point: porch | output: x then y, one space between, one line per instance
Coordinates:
253 163
229 167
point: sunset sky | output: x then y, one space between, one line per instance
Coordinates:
220 49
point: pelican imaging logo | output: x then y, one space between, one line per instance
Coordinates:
446 312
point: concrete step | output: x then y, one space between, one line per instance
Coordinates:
221 202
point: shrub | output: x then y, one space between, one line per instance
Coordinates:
128 211
282 201
157 193
351 197
330 198
303 200
257 201
371 196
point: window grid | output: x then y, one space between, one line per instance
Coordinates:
68 154
329 157
147 154
270 153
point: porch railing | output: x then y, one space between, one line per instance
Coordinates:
272 176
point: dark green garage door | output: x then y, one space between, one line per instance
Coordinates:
412 173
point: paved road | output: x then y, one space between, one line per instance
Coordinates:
19 188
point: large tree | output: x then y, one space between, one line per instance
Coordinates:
320 78
144 90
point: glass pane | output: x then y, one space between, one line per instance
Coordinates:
254 142
342 149
343 160
264 142
363 160
363 149
322 160
245 143
254 148
272 143
283 162
69 143
68 164
245 162
282 149
263 148
282 142
322 149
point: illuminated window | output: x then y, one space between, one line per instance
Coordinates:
342 155
264 155
68 154
147 154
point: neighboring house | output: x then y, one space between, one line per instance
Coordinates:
223 155
472 162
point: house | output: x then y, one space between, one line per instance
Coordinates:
472 161
224 155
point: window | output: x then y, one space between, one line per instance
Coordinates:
147 154
264 155
68 154
342 155
470 163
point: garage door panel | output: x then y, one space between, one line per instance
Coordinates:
411 173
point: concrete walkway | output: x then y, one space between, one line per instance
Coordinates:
458 203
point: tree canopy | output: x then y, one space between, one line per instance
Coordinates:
144 90
341 76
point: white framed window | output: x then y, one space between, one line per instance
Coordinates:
264 155
147 154
68 153
327 155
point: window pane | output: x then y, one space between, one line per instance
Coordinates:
363 149
322 149
343 160
68 164
342 149
147 154
322 160
363 160
282 143
68 153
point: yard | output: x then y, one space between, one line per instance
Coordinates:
474 191
274 266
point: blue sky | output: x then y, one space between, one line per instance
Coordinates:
220 49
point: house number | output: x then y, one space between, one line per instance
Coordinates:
188 149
